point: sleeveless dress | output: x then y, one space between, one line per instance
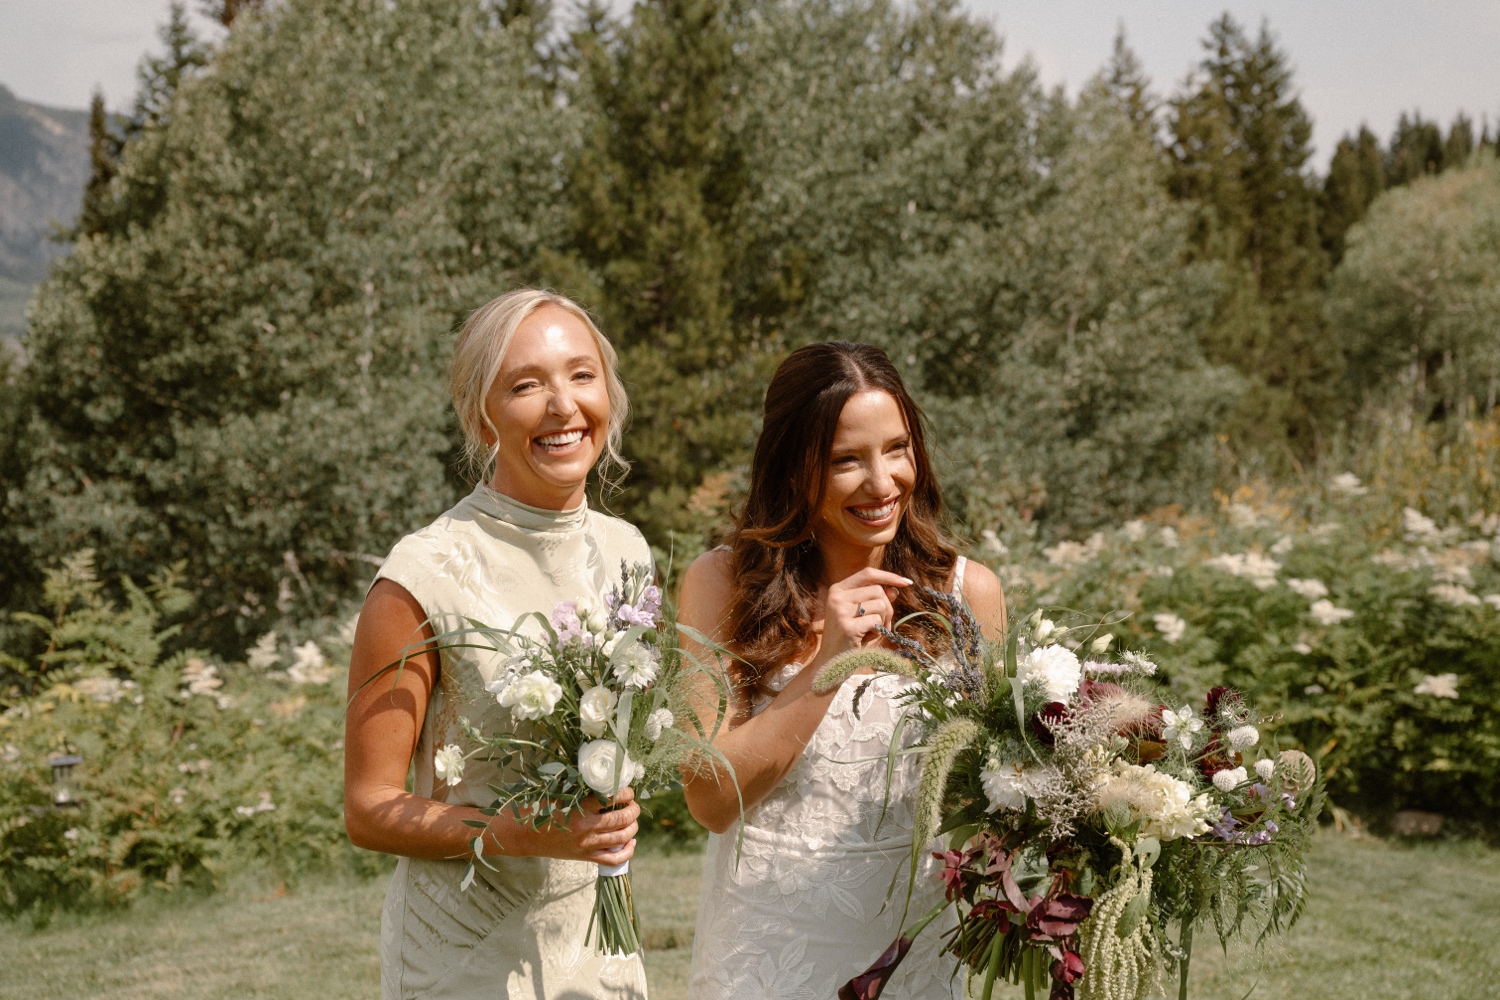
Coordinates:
517 932
817 890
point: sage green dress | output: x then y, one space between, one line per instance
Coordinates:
517 932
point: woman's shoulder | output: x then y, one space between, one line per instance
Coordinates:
707 589
620 539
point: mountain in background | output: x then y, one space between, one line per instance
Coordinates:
44 162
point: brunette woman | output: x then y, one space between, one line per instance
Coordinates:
841 525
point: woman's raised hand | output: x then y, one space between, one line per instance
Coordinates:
602 834
856 606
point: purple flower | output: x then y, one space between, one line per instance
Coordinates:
1271 826
641 614
1225 827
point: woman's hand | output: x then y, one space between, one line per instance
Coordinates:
595 832
855 607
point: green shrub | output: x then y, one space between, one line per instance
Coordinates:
191 770
1370 628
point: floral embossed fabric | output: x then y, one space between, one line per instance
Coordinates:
518 931
816 890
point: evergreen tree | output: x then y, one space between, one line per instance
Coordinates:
655 191
1416 150
1241 141
104 154
225 11
1126 78
1356 176
1460 141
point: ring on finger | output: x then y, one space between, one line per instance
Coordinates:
859 612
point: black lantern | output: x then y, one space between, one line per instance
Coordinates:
62 780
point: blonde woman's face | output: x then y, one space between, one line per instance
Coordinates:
550 405
871 473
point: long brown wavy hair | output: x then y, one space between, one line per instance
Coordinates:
776 564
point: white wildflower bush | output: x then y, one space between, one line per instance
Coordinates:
192 768
1363 608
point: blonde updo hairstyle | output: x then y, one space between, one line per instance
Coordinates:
478 355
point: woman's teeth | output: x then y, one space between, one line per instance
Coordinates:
557 442
874 513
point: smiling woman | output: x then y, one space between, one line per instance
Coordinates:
540 405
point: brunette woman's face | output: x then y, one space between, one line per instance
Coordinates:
550 404
871 473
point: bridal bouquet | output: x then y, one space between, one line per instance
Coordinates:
1087 813
594 701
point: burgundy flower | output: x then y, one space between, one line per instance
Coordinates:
953 872
1050 715
1220 698
1069 968
1057 917
868 985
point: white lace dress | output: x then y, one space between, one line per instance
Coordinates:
817 891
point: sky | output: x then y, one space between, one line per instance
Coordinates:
1356 61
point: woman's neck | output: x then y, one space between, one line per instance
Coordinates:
541 495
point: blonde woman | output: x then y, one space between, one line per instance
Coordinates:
540 404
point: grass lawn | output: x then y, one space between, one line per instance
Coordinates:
1386 921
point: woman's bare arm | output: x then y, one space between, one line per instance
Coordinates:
762 749
382 727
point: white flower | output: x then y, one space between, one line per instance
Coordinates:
1170 626
530 696
177 795
1007 783
657 722
1325 613
10 753
1265 767
309 666
348 630
992 542
1043 629
1493 600
1302 646
635 666
1242 515
202 679
592 617
1283 545
1068 554
448 765
1452 593
598 761
71 833
1258 569
1348 484
1313 690
106 690
263 655
594 710
612 644
1310 589
1242 738
1140 663
1180 726
1228 781
1169 537
1056 668
1102 643
1165 805
1438 685
1419 527
1135 530
264 805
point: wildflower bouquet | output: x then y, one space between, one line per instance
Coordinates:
1085 814
594 700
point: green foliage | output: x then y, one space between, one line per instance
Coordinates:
1416 294
1240 143
1388 679
1356 176
186 776
260 330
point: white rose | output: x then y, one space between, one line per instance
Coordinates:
598 764
1044 628
1243 738
448 765
594 710
1004 785
1228 781
1057 668
635 666
591 617
1265 767
658 721
531 696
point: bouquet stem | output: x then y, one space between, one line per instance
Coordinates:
1185 940
613 929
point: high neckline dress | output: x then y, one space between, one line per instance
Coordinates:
516 933
814 893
